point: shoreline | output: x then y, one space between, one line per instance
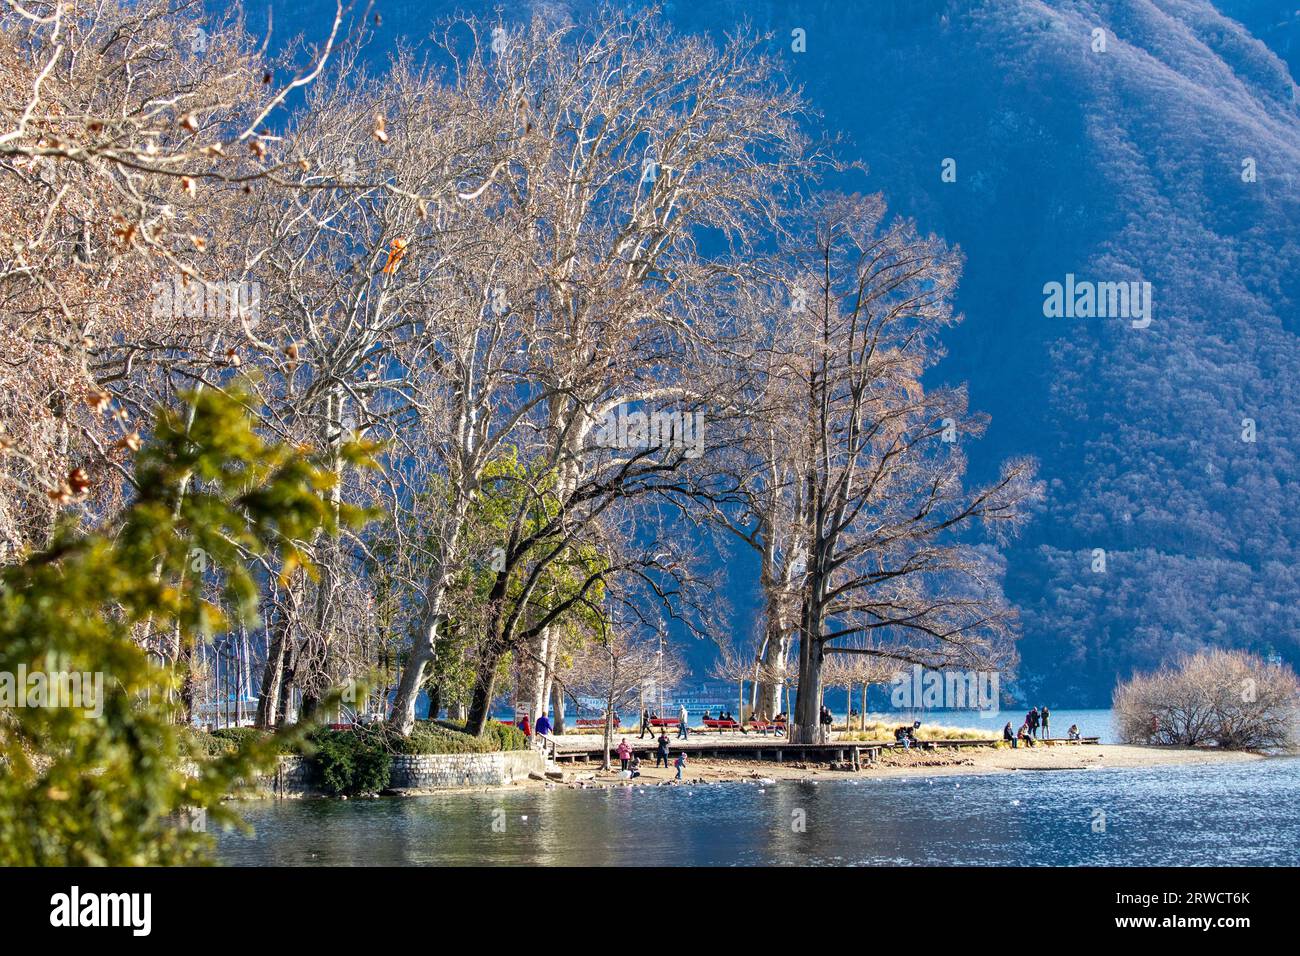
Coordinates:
965 762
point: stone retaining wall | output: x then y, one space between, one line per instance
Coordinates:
444 771
295 777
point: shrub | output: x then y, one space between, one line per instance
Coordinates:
1228 699
351 762
240 737
444 737
201 743
502 737
233 740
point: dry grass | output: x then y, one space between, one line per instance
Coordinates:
883 731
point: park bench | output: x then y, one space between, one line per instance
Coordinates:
763 726
591 721
663 721
721 725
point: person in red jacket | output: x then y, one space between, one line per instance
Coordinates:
525 726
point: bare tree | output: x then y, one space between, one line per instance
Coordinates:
1227 699
737 664
880 460
615 665
865 670
131 136
633 138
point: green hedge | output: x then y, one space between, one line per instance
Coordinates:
351 762
445 737
227 740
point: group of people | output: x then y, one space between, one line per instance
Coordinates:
722 715
630 763
1037 725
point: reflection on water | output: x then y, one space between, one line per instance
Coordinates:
1237 813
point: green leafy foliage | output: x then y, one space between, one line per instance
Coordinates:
351 762
105 783
442 737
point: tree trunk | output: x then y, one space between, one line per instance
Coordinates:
806 727
609 732
538 653
277 659
402 719
609 708
552 656
425 645
485 684
286 690
308 706
319 663
557 706
188 684
776 648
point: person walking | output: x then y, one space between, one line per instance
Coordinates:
1044 716
683 731
624 754
543 727
645 724
680 764
661 751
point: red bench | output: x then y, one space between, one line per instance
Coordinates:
762 726
663 721
591 721
721 725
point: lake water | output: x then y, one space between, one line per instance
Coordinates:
1238 813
